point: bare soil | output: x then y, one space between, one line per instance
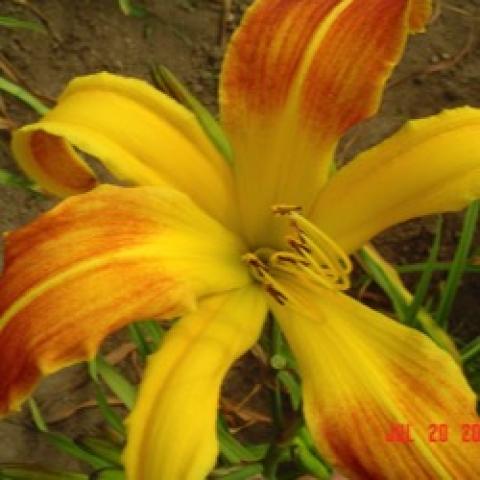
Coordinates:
440 70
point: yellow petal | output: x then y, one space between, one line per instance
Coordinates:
172 430
141 135
430 166
96 262
364 375
297 75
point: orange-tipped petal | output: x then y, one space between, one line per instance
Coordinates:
381 400
420 14
172 429
297 75
140 134
96 262
430 166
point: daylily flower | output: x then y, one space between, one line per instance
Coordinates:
220 246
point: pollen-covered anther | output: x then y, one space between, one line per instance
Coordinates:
315 257
260 272
279 258
286 209
280 297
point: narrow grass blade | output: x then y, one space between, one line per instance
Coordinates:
437 266
167 80
386 276
109 414
470 351
426 277
310 462
154 332
17 472
12 180
141 343
131 9
67 445
458 265
231 449
103 449
238 473
37 417
382 278
108 474
23 95
292 386
11 22
119 385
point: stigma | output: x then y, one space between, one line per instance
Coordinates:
311 257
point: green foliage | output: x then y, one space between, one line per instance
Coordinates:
22 95
16 23
458 265
130 8
12 180
170 84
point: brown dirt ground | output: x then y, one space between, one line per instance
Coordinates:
440 70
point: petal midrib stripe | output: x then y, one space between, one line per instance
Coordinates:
310 52
79 267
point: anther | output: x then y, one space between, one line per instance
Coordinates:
287 257
280 297
299 246
257 266
285 209
260 272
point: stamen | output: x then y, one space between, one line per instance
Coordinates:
274 287
286 209
314 258
260 272
279 258
323 240
325 262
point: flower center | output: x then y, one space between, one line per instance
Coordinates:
311 257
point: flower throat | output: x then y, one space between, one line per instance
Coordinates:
311 257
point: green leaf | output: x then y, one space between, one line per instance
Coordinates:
385 282
12 180
104 449
292 386
11 22
458 265
437 266
167 81
131 9
37 416
426 277
237 473
68 446
140 342
233 451
310 462
23 95
470 351
119 385
154 332
472 372
108 474
20 472
109 414
388 279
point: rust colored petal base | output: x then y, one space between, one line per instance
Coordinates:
97 262
382 400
